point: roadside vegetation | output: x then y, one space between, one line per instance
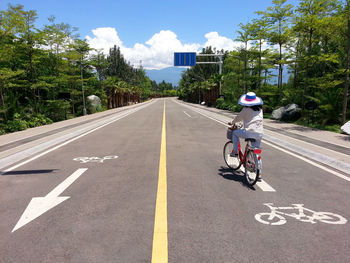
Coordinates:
288 54
45 71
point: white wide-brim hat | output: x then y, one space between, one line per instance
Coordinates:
250 99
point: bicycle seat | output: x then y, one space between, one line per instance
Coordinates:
250 140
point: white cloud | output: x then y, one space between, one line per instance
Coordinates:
158 51
220 42
104 38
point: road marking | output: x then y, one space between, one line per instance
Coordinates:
94 159
73 139
262 184
314 145
187 114
285 151
39 205
265 186
310 162
277 217
160 235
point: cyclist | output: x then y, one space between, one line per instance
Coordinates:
252 117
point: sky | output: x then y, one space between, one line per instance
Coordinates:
149 32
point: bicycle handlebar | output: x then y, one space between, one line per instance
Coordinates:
235 126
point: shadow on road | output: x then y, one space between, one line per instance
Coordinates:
344 137
20 172
236 176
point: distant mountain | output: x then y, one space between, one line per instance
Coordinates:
171 75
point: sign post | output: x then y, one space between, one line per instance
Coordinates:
189 59
184 59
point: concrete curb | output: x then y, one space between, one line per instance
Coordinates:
331 162
14 158
312 155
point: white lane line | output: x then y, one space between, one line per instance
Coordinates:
263 185
187 114
310 162
69 141
314 145
285 151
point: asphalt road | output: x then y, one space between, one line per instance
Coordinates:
211 215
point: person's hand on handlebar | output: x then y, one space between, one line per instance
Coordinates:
232 126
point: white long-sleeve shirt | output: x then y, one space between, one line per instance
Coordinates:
252 120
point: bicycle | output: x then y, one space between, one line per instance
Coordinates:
250 159
276 217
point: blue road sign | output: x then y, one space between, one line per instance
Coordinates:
184 59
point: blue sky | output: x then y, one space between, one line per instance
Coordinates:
150 30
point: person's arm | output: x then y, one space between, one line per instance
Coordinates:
240 117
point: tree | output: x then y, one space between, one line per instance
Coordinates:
12 23
278 17
245 35
347 59
259 28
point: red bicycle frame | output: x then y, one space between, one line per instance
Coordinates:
243 156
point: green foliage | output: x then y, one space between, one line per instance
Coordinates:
309 42
17 124
57 110
22 122
219 102
226 105
37 120
44 73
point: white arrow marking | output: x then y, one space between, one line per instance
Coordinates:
39 205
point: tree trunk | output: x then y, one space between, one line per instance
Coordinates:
346 84
259 66
109 102
296 66
3 103
307 69
239 70
265 78
245 68
280 70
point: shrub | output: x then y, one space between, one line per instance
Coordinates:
16 125
225 105
219 101
2 128
38 120
57 110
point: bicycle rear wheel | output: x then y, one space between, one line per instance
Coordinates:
232 162
251 167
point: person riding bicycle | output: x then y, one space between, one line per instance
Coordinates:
252 117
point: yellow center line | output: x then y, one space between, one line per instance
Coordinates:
160 235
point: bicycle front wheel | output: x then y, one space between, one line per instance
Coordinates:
232 162
251 167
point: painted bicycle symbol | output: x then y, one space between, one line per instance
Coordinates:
94 159
277 217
